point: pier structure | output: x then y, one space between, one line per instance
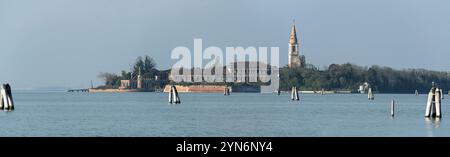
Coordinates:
78 90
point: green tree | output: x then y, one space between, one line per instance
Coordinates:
147 66
110 79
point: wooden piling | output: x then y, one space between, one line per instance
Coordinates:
171 95
225 91
392 107
370 95
10 97
2 95
292 93
433 109
437 105
4 98
176 96
6 102
429 104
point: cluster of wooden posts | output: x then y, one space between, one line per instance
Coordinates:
226 91
174 98
433 109
6 99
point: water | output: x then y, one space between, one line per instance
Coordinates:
212 114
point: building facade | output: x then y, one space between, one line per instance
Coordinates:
139 83
235 72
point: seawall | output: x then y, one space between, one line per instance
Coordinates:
198 88
91 90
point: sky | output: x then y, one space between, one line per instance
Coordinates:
67 43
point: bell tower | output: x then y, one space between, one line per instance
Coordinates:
139 79
294 58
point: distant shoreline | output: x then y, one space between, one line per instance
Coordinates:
93 90
136 91
220 91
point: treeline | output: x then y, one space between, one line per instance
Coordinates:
334 77
349 77
145 64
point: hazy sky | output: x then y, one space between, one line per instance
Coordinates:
68 42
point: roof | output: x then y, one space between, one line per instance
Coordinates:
293 37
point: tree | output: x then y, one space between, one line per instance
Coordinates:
126 75
146 65
349 77
110 79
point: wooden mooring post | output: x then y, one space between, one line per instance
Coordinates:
433 107
392 108
294 94
6 99
174 98
370 95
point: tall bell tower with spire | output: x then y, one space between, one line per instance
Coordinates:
139 79
295 60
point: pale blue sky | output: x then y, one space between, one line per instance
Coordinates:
68 42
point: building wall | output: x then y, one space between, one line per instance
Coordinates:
133 84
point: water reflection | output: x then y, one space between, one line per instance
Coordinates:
431 124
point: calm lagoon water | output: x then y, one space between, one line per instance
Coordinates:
212 114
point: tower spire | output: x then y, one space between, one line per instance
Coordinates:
293 38
295 60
